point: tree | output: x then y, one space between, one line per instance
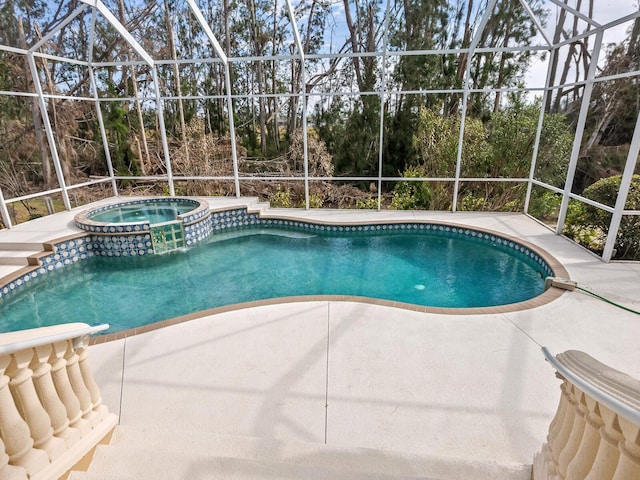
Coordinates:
509 25
501 147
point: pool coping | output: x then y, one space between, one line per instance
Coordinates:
549 295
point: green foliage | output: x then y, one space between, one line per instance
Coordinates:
117 127
500 147
414 195
281 198
370 203
544 204
590 225
357 147
316 200
436 141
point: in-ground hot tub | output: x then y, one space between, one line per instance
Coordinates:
147 226
152 211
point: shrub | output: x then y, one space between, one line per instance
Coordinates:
544 204
587 224
411 195
316 200
281 198
370 203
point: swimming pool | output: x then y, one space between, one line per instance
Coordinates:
416 264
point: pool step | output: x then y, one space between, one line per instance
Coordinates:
152 453
6 270
22 254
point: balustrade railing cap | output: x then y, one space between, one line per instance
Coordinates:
11 342
614 389
610 380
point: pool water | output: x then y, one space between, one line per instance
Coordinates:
154 212
426 268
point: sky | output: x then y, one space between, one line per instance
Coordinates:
605 11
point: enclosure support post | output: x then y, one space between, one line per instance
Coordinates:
163 132
48 130
6 219
536 144
303 88
577 140
305 139
232 129
625 184
465 98
383 97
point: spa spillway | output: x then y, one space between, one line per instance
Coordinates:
146 227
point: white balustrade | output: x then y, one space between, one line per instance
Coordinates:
28 403
87 376
51 412
15 431
595 434
9 472
49 396
79 388
61 380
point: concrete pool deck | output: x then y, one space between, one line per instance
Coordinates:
363 375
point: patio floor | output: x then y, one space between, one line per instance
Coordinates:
354 374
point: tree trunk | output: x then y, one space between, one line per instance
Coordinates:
353 35
259 70
58 129
505 44
145 161
37 115
567 62
454 101
554 66
176 80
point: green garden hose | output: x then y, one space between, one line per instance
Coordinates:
608 301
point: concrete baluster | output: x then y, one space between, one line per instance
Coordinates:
629 462
546 463
28 403
15 431
558 419
89 381
577 432
557 444
77 383
9 472
586 454
49 398
606 459
64 389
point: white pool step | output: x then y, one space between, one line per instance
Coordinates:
18 253
9 269
20 246
146 454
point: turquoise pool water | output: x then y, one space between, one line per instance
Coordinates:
157 211
423 268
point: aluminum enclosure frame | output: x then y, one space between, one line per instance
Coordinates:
97 7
